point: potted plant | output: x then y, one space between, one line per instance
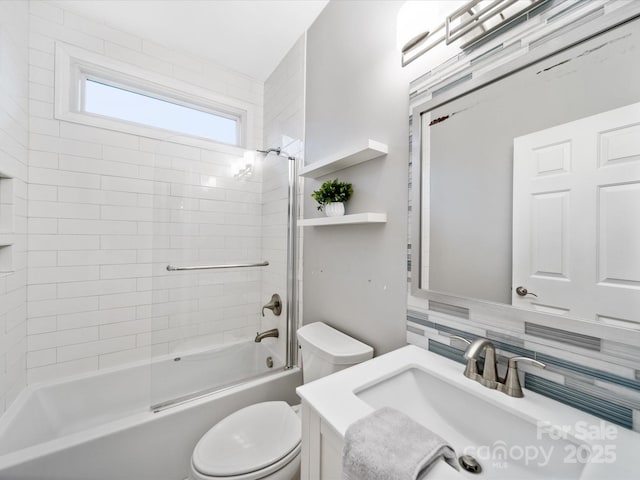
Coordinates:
331 197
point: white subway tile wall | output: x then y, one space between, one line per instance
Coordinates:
109 210
14 127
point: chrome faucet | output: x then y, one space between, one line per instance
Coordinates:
269 333
489 376
510 385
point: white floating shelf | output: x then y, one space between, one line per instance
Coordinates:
354 219
354 155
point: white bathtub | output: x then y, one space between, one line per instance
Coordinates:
100 426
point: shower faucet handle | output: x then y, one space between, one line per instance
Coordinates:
275 305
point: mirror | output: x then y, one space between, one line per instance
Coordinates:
469 247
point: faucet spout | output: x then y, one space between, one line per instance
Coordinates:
269 333
476 347
489 376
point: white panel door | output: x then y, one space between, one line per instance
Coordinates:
576 218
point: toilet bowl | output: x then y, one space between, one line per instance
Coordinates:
263 441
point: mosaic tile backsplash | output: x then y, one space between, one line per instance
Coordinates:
577 377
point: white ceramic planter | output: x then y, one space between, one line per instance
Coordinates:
335 209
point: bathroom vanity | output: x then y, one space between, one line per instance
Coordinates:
525 438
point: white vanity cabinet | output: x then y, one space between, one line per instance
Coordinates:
321 447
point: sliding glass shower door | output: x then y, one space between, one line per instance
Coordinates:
219 253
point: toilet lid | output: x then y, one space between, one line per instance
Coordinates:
248 440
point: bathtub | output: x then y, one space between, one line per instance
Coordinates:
102 426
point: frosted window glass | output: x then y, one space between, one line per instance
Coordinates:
110 101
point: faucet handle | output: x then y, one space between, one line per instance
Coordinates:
513 362
471 370
462 339
275 305
511 384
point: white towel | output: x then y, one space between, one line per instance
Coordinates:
388 445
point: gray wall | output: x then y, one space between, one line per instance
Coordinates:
355 276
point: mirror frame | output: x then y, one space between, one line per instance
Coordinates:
498 311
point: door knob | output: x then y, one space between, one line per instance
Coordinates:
523 292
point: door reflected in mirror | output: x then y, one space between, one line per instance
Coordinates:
533 181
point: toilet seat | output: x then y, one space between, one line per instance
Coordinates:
286 464
250 443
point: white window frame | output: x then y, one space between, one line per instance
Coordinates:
73 66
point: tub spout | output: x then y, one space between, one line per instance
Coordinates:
269 333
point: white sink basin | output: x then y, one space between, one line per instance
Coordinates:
505 444
512 438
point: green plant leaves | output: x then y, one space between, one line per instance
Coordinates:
332 191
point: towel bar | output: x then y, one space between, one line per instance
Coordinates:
172 268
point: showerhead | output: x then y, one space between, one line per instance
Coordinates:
270 150
278 151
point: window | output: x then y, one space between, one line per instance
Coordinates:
118 102
95 90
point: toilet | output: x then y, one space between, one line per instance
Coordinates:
263 441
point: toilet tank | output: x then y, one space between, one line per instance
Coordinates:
326 350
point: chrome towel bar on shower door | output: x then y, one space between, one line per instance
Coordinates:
172 268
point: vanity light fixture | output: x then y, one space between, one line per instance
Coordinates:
420 28
452 26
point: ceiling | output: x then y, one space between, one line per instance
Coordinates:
248 36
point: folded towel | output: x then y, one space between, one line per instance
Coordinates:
388 445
